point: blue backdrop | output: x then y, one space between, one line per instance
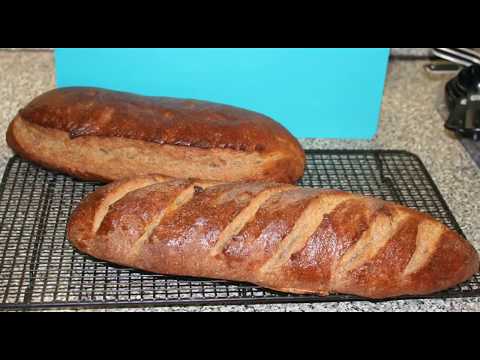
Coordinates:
326 93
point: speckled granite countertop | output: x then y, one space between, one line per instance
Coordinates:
409 122
402 52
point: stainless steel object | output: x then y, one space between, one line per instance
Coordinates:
462 56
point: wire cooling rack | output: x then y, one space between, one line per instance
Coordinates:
39 268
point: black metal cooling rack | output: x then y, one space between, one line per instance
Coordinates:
39 268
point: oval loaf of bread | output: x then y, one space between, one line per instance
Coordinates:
96 134
276 236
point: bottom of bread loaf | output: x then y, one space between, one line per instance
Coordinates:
108 159
280 237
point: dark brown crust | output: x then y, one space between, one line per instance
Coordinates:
337 233
67 129
205 217
127 219
160 120
258 240
363 246
84 215
379 277
452 259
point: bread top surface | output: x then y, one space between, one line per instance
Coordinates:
161 120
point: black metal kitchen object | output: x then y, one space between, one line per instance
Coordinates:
39 269
463 100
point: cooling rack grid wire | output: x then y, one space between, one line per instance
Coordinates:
40 269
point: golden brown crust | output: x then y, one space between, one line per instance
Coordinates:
107 121
108 159
280 237
24 147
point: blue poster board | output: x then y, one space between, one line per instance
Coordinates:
318 92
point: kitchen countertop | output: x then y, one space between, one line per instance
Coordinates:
409 122
401 52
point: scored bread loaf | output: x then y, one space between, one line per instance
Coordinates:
102 135
276 236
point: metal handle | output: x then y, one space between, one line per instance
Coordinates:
462 56
471 54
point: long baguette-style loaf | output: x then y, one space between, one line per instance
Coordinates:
96 134
277 236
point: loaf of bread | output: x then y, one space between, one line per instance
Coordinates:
280 237
101 135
